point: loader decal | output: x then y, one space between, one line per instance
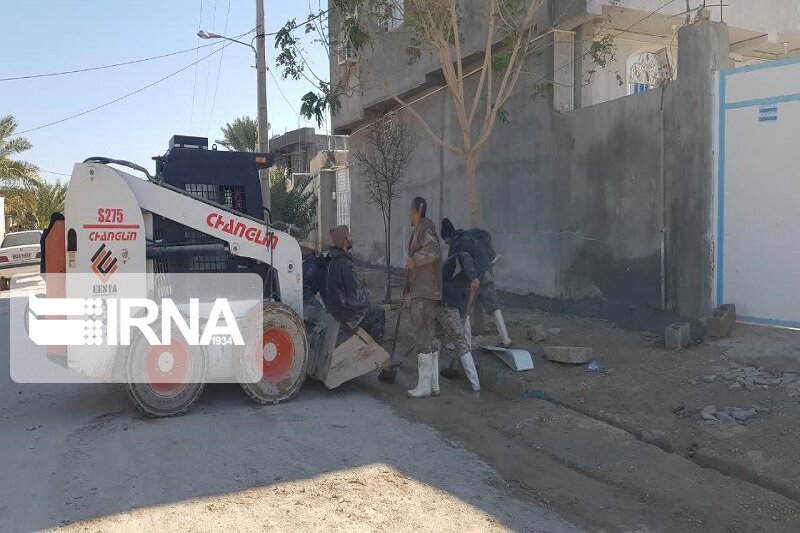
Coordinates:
242 230
104 264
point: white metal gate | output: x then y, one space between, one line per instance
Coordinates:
343 197
758 192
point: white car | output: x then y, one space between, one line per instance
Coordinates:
20 253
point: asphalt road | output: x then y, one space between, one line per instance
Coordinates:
81 457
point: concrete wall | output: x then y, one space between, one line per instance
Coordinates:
581 204
688 167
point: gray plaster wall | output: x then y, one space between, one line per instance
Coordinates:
688 168
578 203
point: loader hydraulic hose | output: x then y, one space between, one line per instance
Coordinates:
121 162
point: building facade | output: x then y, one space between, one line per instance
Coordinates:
296 149
596 196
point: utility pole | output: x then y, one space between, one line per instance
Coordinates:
263 117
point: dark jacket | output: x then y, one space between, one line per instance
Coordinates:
477 243
315 268
344 297
458 271
425 281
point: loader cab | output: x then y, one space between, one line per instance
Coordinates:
223 177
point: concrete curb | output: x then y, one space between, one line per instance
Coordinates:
504 383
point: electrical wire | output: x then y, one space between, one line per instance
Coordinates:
219 70
208 72
196 54
103 67
285 99
115 100
53 172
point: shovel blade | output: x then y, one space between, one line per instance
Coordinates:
518 360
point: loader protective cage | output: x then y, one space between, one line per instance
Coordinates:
164 330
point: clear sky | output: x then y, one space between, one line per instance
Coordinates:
54 35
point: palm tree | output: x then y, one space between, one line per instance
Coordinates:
14 172
241 136
30 207
49 200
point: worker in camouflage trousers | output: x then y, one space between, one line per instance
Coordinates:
459 277
424 289
478 243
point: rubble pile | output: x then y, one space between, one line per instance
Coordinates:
730 415
753 379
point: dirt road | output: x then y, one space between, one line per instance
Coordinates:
363 457
82 458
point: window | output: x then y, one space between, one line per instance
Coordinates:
25 238
391 15
648 69
642 72
346 51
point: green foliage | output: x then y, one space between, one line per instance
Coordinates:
241 136
294 208
602 51
316 104
12 171
30 206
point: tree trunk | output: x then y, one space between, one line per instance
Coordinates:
387 226
475 214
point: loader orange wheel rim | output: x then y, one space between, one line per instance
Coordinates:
277 354
167 368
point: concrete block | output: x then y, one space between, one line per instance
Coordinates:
537 333
722 320
568 354
677 336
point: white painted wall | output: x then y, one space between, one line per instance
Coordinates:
758 249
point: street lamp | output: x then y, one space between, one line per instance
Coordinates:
205 34
261 78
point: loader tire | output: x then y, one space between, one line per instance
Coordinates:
281 350
164 381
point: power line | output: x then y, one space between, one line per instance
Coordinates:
208 72
143 59
196 53
54 172
103 67
219 70
285 99
115 100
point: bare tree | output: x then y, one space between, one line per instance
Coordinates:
383 160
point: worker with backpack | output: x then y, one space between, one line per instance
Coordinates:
478 243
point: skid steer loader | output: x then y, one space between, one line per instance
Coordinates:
202 212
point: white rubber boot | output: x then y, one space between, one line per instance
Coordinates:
424 364
468 333
501 328
470 370
435 374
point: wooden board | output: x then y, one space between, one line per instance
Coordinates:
357 356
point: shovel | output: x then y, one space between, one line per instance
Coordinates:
450 372
388 374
